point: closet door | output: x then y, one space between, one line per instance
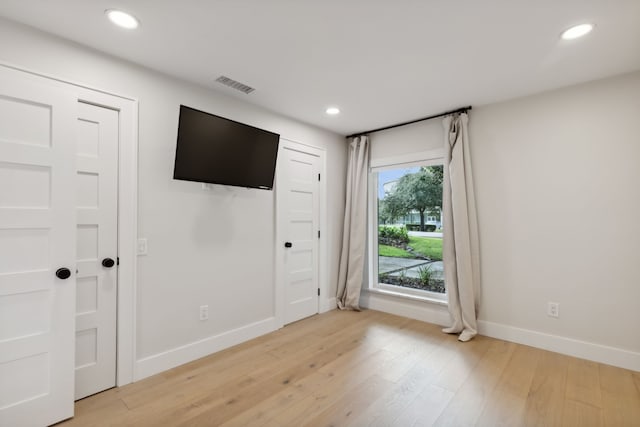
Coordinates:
97 249
37 250
298 192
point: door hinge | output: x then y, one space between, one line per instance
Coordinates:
318 291
318 234
318 177
117 260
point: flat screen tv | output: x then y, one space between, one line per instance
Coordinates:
216 150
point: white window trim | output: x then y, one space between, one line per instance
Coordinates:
424 158
408 160
441 300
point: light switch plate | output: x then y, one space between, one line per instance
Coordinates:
142 246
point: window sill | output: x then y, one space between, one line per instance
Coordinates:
427 299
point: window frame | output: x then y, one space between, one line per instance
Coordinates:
423 158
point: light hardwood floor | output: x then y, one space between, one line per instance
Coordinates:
373 369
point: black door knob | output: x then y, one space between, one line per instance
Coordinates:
287 244
108 262
63 273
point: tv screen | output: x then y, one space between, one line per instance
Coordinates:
216 150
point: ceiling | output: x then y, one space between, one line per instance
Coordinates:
380 61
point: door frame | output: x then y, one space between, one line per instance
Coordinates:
127 108
324 301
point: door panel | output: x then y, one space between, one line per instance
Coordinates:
37 236
299 189
96 201
25 122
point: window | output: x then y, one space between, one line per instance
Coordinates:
406 233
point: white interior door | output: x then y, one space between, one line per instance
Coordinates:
96 201
37 238
298 190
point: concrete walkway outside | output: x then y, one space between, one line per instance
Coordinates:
388 264
411 267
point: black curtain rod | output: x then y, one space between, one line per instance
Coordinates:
435 116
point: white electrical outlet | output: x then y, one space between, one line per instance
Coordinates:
204 312
142 246
553 309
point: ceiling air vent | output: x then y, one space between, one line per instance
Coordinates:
234 84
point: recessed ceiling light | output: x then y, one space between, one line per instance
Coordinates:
332 111
122 19
577 31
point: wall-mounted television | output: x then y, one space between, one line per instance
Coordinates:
217 150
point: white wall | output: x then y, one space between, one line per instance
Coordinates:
421 136
557 178
557 188
205 247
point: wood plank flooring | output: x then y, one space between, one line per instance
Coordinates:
373 369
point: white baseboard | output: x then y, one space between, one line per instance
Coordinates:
422 311
419 310
160 362
328 304
439 315
569 346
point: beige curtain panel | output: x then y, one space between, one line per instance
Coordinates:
461 251
354 235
